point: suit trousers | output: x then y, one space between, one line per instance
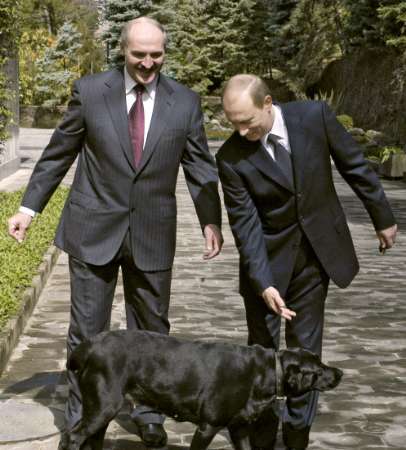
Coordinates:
306 295
146 297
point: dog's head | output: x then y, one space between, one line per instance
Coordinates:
303 372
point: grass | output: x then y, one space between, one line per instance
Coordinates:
19 262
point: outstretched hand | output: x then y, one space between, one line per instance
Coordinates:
387 237
213 241
275 302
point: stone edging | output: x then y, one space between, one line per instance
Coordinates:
15 326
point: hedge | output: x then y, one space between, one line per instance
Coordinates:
19 262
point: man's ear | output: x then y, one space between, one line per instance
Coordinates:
268 101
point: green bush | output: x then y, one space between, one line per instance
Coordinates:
216 134
346 121
19 262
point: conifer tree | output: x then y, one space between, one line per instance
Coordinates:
228 29
277 20
392 14
362 26
117 13
59 67
312 41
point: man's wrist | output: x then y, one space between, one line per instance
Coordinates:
25 210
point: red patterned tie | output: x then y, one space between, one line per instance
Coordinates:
136 124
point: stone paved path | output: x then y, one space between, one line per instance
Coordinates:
364 335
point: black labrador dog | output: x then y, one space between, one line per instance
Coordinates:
213 385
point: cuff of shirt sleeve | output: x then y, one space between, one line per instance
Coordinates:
28 211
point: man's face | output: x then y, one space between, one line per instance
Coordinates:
248 119
145 52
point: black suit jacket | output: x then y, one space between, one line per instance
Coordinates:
268 215
109 195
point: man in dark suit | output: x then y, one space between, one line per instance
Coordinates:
121 210
289 226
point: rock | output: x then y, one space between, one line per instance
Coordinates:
380 138
356 132
369 90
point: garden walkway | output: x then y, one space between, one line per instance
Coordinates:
365 335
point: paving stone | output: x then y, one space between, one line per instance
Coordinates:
364 335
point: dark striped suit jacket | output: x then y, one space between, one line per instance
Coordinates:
109 195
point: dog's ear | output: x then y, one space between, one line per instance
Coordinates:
297 382
291 380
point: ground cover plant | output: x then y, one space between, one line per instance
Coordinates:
19 262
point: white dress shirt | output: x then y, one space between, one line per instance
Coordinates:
278 129
148 100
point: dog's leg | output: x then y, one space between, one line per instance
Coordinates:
98 410
203 436
95 442
240 438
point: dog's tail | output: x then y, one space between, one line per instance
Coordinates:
78 358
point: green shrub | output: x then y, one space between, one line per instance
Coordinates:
19 262
346 121
382 154
390 150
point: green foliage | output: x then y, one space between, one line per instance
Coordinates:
58 67
19 262
346 121
387 151
393 19
333 99
8 38
32 49
117 13
277 18
209 40
362 24
382 154
216 134
311 41
47 27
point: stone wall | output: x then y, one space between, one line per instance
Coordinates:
367 88
9 161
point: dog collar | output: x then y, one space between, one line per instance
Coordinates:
279 376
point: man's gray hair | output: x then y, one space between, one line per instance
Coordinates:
128 25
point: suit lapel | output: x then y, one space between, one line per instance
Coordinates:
162 110
263 161
297 142
116 103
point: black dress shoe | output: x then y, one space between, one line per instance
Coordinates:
153 434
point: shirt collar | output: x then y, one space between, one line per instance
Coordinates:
130 83
277 126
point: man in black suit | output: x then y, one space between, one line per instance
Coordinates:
121 210
288 223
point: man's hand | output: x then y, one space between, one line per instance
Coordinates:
275 302
387 237
213 241
18 225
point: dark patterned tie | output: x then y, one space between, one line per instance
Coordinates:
136 124
282 157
